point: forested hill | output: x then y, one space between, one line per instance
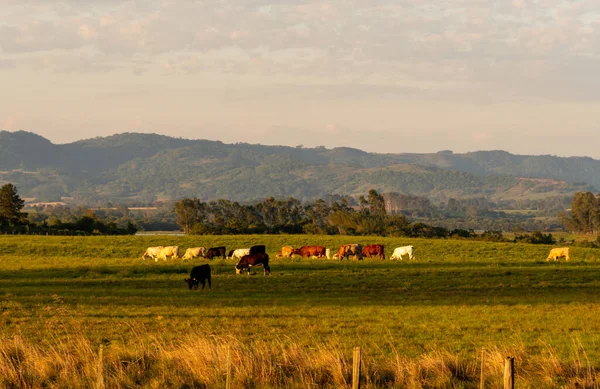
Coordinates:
133 167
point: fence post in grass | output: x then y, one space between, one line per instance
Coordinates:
356 368
228 373
100 369
509 373
482 378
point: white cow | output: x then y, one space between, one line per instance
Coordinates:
239 253
168 251
328 253
152 252
404 250
558 253
194 252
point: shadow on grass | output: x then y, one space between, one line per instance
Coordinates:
343 284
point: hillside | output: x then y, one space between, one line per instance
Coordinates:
142 167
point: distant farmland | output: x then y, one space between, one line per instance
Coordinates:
421 323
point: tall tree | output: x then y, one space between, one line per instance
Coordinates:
583 211
376 203
11 205
189 212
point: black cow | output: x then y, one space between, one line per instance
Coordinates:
216 252
199 275
250 260
259 249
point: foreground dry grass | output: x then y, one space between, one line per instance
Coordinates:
200 361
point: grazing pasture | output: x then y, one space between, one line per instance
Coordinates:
417 321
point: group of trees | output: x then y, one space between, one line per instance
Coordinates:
14 220
286 216
375 214
367 217
584 215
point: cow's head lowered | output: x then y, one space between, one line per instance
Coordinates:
239 269
192 283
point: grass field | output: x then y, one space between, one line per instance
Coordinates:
420 323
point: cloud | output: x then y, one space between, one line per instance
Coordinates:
302 56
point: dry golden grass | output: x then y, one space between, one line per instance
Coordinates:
198 360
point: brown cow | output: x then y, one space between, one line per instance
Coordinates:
373 249
286 252
250 260
216 252
310 251
349 250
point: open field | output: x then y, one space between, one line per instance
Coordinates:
421 323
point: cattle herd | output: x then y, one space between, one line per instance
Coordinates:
257 256
345 251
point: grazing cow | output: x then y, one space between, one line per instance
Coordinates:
404 250
152 252
168 252
286 252
558 253
258 249
216 252
239 253
310 251
199 275
194 252
373 249
349 250
250 260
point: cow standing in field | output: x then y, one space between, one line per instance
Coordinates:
258 249
216 252
194 252
152 253
199 275
310 251
559 253
238 253
168 252
374 249
251 260
286 252
404 250
349 250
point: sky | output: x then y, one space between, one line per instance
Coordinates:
382 76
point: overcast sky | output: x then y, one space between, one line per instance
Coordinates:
383 76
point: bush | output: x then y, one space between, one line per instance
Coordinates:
536 237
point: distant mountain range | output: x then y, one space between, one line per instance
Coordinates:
139 168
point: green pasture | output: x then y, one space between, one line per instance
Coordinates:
457 296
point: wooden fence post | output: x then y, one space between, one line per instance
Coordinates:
482 378
228 374
356 368
509 373
100 369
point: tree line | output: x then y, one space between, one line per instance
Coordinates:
13 220
390 214
366 216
